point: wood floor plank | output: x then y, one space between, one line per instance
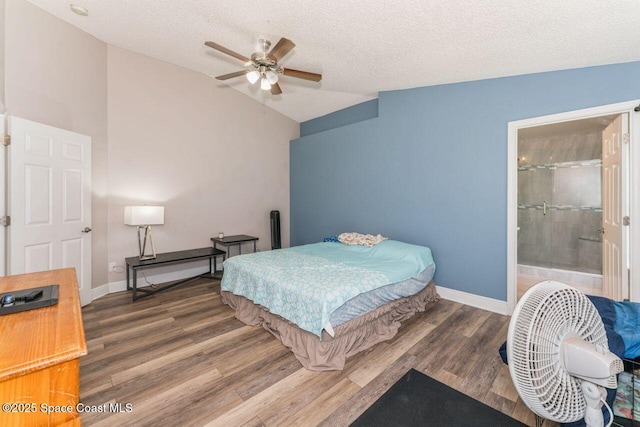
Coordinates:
172 357
488 365
262 401
134 344
370 366
138 329
431 361
262 374
349 411
309 390
209 321
99 384
128 360
180 357
446 377
498 402
503 386
142 409
477 346
394 349
152 382
316 410
254 422
230 364
207 405
431 346
471 328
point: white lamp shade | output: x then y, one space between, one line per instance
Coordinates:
144 215
264 84
253 76
272 77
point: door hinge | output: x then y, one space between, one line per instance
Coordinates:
5 221
6 140
626 220
626 138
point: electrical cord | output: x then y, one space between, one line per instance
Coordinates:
610 412
153 285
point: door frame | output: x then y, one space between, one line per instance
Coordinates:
633 175
3 197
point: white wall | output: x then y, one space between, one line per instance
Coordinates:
216 159
57 75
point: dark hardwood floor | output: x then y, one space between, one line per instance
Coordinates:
180 358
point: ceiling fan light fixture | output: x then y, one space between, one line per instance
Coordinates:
265 66
253 76
272 77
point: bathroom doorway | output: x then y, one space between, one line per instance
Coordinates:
557 195
560 195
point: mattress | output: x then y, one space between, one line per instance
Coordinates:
307 284
368 301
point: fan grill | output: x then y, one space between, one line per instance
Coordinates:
544 315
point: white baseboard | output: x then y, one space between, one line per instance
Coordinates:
121 285
477 301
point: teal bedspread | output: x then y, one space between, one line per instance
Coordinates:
305 284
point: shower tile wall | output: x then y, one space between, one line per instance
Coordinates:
566 237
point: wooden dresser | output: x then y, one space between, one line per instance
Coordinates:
39 354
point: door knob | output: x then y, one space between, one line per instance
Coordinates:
601 230
86 229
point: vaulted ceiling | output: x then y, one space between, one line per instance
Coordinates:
364 47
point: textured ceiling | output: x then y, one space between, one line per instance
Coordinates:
363 47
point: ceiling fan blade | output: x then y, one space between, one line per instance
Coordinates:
232 75
223 49
275 89
302 74
281 49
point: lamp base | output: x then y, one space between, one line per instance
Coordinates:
142 243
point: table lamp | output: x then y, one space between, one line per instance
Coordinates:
144 217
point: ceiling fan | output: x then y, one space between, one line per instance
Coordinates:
264 65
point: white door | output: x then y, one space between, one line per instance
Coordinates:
614 205
50 201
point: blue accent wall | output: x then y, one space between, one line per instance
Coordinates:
432 168
356 113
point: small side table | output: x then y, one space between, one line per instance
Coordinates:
238 240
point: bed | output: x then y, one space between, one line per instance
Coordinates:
327 301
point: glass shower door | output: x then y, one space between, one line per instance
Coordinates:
577 198
535 216
559 214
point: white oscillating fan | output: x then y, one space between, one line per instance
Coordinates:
559 356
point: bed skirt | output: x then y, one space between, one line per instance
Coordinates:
351 337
